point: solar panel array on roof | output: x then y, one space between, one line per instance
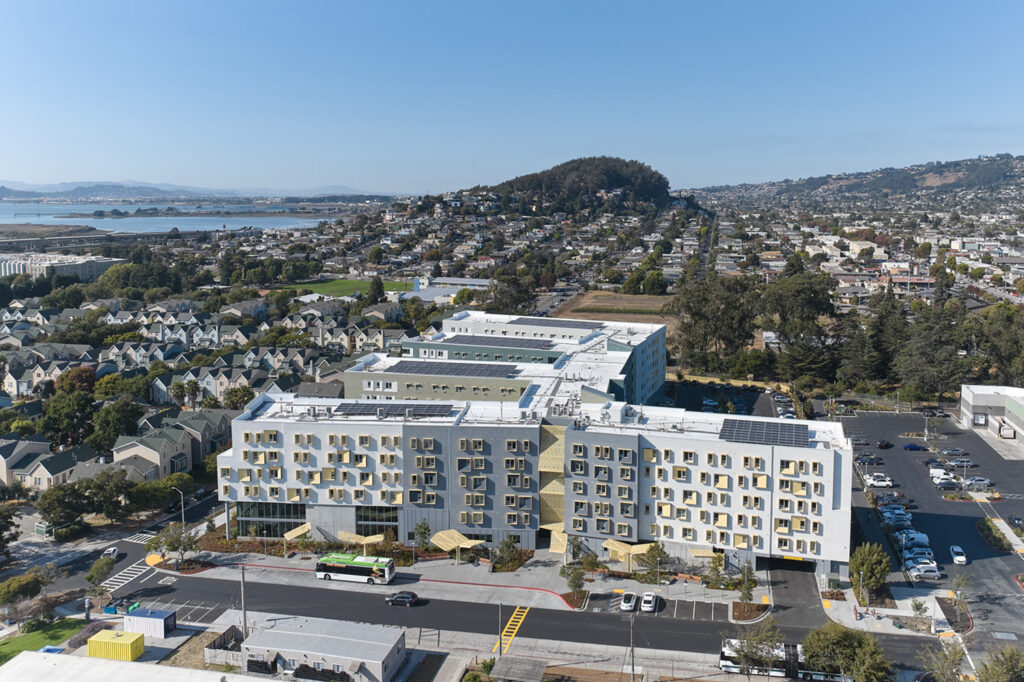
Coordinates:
765 433
499 341
390 409
551 322
452 369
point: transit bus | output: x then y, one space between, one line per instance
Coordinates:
789 663
368 569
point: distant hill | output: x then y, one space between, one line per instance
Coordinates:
130 190
983 174
589 181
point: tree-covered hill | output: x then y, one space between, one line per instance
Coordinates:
591 181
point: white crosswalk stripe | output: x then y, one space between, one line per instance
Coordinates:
126 576
141 538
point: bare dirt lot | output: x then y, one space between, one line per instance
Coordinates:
190 654
604 305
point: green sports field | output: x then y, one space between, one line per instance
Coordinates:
349 287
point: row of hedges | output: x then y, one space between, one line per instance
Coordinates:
993 536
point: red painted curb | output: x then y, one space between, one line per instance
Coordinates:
422 580
1016 579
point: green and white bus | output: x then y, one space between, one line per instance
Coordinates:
360 569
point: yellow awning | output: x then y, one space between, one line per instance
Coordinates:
298 531
350 538
373 539
450 539
559 542
557 526
702 553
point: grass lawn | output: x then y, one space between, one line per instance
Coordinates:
348 287
56 633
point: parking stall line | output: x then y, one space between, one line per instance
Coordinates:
675 608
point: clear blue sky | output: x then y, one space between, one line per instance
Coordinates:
432 96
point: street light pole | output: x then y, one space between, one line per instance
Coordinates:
182 506
862 589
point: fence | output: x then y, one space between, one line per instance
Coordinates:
225 648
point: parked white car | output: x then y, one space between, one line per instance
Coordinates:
958 555
917 574
649 602
921 563
628 602
112 552
918 553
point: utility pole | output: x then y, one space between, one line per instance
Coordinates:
499 629
632 651
245 616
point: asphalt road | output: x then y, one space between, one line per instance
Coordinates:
568 626
995 600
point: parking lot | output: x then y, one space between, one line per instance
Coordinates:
686 609
993 594
752 400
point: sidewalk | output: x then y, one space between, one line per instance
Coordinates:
879 620
536 584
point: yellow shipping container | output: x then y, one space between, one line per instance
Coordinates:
117 646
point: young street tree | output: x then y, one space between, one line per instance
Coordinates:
574 580
175 539
1005 664
99 572
870 562
757 646
747 582
422 534
942 663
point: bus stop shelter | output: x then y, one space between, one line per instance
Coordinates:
363 540
620 551
451 539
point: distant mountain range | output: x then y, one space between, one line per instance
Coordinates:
132 190
984 174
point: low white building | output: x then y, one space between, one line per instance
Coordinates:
1000 409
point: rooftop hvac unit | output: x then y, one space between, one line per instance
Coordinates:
606 415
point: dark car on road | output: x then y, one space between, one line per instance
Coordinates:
883 445
868 459
947 485
932 462
402 599
915 446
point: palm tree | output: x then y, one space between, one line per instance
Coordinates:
192 389
178 392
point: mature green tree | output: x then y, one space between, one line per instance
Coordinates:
157 369
175 539
9 531
717 316
833 648
210 402
928 362
237 397
376 292
375 255
63 503
634 284
654 557
98 573
757 646
158 493
463 297
76 379
942 663
68 418
119 418
107 493
1005 664
870 561
655 284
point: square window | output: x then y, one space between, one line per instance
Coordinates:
579 488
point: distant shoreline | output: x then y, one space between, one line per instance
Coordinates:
30 230
99 215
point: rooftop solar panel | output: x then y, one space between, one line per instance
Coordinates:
499 342
453 369
390 409
553 322
764 433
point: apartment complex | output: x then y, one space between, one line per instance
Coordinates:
549 450
86 268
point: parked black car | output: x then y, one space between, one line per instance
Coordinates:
947 485
883 445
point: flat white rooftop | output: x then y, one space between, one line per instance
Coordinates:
33 665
